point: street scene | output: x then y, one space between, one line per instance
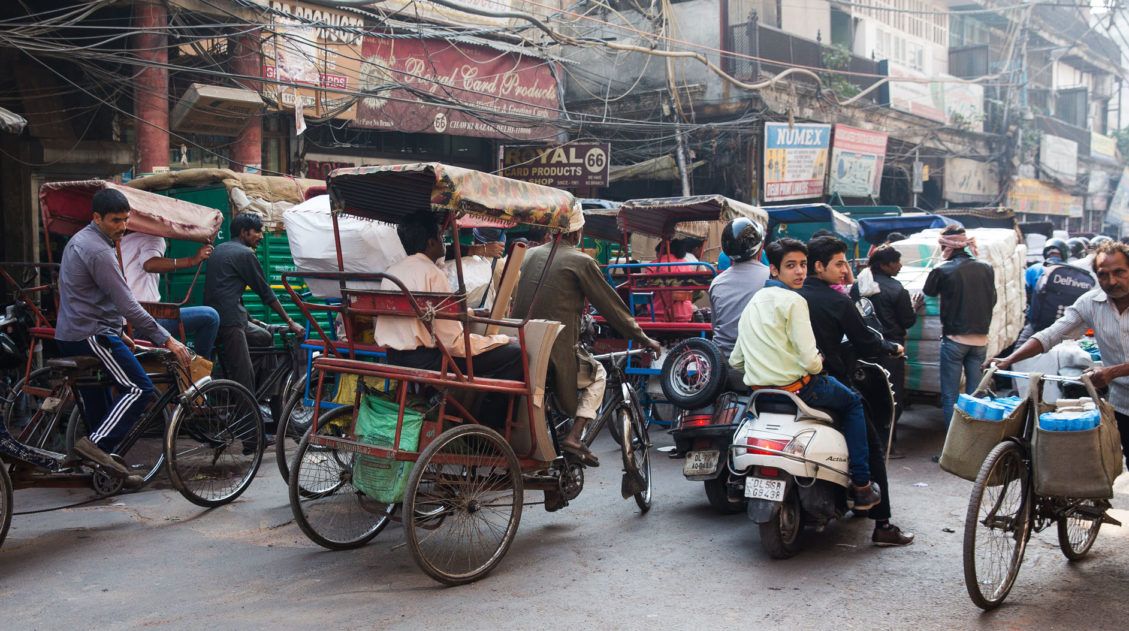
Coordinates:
542 314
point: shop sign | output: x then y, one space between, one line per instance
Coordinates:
795 160
1118 211
430 11
1035 197
950 102
1097 190
571 166
1058 158
496 95
964 105
970 181
1103 147
857 156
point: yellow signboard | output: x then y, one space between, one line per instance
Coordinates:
1035 197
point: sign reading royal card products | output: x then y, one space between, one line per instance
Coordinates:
857 156
573 166
795 160
412 84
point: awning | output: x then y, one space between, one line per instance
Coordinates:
66 208
841 224
660 168
663 216
876 229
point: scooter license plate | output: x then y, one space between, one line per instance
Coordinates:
701 462
761 489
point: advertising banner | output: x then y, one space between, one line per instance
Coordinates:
1035 197
969 181
1058 158
950 102
572 166
1118 211
857 156
1103 147
442 87
795 160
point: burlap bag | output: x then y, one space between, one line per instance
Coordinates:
1079 464
970 439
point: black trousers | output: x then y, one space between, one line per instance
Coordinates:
235 343
876 446
1123 428
503 362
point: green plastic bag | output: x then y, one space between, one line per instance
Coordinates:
384 479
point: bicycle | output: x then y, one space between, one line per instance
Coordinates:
286 364
1004 509
621 412
208 434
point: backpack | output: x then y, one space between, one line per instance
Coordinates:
1056 290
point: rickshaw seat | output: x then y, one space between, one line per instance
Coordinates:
392 371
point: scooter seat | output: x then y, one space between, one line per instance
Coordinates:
790 404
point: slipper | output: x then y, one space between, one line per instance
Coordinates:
585 455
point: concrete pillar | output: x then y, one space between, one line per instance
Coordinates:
151 87
246 61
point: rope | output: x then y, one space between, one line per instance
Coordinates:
65 506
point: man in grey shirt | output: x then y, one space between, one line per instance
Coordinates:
93 298
741 240
233 266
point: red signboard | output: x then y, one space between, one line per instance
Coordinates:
494 94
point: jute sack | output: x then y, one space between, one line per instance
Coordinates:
1079 464
970 439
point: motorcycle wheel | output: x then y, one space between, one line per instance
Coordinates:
780 536
694 373
717 492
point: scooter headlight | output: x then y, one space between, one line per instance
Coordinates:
799 443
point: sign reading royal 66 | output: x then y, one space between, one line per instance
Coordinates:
571 166
440 87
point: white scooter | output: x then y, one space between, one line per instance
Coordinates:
793 460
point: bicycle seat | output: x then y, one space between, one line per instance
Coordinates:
77 362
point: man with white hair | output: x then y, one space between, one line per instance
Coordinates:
574 279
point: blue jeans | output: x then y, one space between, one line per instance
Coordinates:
109 420
957 358
201 324
829 393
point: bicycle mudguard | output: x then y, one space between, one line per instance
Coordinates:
762 511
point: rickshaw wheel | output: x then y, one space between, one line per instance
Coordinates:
327 507
463 504
5 502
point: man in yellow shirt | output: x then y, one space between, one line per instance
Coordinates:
776 349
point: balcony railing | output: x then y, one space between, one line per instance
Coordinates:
767 51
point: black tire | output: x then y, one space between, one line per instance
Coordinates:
694 373
1078 531
781 536
215 443
146 457
292 425
327 507
636 451
5 502
21 407
997 524
717 493
446 505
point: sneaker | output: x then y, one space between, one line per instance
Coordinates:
890 537
89 451
866 497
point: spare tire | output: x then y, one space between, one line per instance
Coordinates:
694 374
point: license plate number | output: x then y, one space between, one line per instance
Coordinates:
700 462
761 489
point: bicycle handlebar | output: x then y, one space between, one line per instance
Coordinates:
1026 375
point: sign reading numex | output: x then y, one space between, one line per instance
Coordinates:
571 166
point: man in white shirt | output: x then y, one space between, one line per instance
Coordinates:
143 260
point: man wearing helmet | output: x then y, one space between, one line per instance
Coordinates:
1054 253
1077 247
1087 261
742 241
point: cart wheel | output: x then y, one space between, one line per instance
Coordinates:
636 452
1078 529
997 525
463 504
327 507
145 457
23 402
215 443
5 502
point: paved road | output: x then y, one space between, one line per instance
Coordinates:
153 560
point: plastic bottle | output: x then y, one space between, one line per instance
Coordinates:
1049 421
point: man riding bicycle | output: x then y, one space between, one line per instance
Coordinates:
93 298
1103 309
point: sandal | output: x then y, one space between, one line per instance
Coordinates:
585 455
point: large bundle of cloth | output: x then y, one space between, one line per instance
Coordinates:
1000 248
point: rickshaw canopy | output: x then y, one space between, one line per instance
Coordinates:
876 229
66 209
836 221
389 193
661 216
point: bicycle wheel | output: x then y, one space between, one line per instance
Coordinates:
636 452
5 502
1078 528
997 525
24 414
292 426
327 507
463 504
215 443
145 457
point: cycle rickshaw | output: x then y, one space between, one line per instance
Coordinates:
457 485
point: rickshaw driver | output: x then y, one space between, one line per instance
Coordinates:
408 341
93 298
575 278
1105 309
